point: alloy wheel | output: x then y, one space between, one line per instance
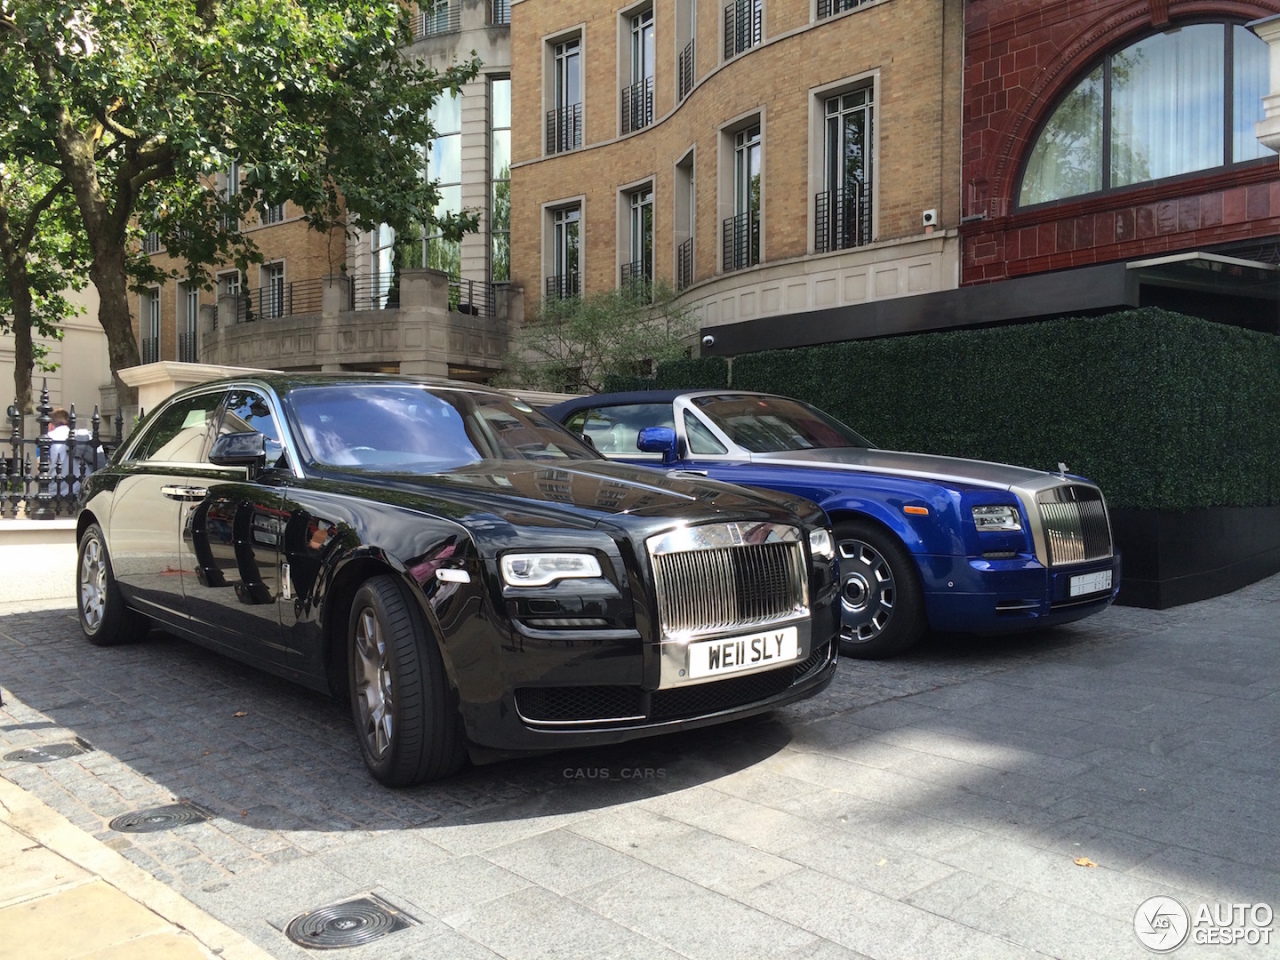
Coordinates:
93 584
867 592
373 684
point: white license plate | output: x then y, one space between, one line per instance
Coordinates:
711 658
1090 583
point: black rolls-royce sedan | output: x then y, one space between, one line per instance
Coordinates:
474 577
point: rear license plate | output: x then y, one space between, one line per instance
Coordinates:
712 658
1090 583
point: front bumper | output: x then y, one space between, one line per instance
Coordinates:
973 595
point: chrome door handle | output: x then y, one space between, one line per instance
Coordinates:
185 493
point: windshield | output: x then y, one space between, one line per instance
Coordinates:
772 424
411 428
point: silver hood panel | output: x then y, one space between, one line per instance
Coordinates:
921 466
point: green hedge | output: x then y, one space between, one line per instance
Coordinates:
1162 410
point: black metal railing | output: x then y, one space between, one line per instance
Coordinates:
188 349
564 128
295 298
842 218
499 12
684 264
40 478
434 19
741 241
827 8
562 286
742 27
637 105
472 297
149 349
374 293
684 71
637 279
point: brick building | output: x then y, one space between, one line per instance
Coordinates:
329 301
770 158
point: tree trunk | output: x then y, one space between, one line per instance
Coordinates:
23 360
108 274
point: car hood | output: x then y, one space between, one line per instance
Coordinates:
577 493
921 466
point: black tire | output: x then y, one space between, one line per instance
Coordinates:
404 709
881 603
105 619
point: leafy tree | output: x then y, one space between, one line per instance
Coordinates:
138 104
42 256
577 341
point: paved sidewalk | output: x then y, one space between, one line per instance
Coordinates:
978 798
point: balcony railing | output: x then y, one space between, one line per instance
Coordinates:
842 218
188 350
684 264
637 279
637 105
472 297
742 27
684 70
562 286
499 12
828 8
564 128
150 349
741 241
295 298
435 19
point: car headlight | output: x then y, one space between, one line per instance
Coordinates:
821 544
540 569
996 517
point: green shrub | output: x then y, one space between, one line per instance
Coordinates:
1161 410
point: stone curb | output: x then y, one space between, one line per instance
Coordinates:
31 817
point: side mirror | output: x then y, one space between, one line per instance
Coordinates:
658 440
247 449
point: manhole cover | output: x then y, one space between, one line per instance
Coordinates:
348 924
49 751
159 818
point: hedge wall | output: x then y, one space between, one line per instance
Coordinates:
1162 410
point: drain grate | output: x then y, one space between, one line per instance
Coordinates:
50 751
348 924
159 818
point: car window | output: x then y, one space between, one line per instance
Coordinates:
180 431
413 429
771 424
249 410
702 442
614 430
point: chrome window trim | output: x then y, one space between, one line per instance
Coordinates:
138 435
684 404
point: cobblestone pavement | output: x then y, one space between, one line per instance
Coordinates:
929 806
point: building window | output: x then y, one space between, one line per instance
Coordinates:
563 281
189 320
829 8
229 283
686 29
842 211
500 213
150 313
742 230
564 119
151 242
444 165
273 213
1173 103
499 12
637 272
684 205
271 296
230 191
436 17
743 26
637 96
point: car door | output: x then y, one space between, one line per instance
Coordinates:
147 511
231 538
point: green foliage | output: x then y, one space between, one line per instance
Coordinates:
1162 410
580 343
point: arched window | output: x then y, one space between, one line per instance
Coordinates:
1173 103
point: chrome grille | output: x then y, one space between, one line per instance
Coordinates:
713 582
1076 528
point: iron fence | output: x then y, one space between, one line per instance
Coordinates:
842 218
471 297
684 264
637 105
741 241
562 286
684 69
188 347
295 298
564 128
42 477
637 279
149 349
